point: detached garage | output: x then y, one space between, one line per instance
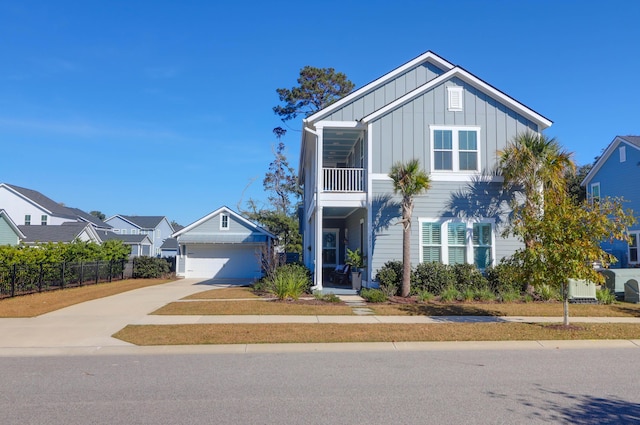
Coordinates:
222 245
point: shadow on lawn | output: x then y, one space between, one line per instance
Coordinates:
447 310
633 312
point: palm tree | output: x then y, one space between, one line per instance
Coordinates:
535 165
409 181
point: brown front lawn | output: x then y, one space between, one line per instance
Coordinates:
319 333
270 307
45 302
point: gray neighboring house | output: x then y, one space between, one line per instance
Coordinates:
66 232
222 244
140 244
454 123
169 248
158 228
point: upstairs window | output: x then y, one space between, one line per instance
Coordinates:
43 220
623 153
455 148
595 193
224 222
633 248
27 220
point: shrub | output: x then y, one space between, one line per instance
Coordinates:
484 293
390 277
547 292
468 294
507 296
450 293
329 298
150 267
468 277
373 295
289 281
425 296
504 278
605 296
432 277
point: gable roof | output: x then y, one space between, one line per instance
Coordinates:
229 211
105 235
142 221
169 244
48 204
632 141
92 219
452 71
11 224
66 232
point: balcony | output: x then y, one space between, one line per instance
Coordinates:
343 180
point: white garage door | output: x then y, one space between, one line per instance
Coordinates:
222 261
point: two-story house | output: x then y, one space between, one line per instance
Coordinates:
429 109
613 175
157 228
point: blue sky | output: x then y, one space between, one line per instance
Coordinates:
165 107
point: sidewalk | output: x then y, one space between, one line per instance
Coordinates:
87 327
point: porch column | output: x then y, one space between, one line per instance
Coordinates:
318 250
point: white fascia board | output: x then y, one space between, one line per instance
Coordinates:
12 224
604 158
425 57
337 124
450 177
26 198
229 211
472 80
504 98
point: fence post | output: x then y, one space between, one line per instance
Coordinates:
62 280
97 271
81 272
122 270
40 278
110 269
13 281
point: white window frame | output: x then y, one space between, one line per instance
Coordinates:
623 153
635 235
594 198
43 220
455 99
455 148
444 232
224 221
27 219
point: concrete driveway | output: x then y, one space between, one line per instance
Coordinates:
91 324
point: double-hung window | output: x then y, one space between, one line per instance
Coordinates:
27 220
43 220
224 222
457 242
455 148
633 248
595 193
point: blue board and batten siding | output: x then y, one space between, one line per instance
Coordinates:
614 177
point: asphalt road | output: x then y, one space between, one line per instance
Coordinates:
585 386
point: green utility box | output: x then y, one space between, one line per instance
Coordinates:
582 291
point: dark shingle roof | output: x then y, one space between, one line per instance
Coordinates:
66 232
90 218
45 202
170 243
144 221
634 140
127 239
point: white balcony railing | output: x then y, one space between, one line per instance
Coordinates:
343 179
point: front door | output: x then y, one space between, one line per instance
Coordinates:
329 247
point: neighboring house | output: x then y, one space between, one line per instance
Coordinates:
158 228
66 232
169 248
140 244
10 234
222 244
31 208
429 109
616 173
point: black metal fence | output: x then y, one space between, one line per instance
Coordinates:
22 279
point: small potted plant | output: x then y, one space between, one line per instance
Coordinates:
356 261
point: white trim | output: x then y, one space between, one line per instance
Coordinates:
444 233
448 177
455 99
605 157
474 81
428 56
222 221
337 124
455 150
623 153
637 247
11 224
590 192
231 213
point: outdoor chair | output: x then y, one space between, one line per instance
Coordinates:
341 274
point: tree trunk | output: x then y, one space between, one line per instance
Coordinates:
406 254
565 302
